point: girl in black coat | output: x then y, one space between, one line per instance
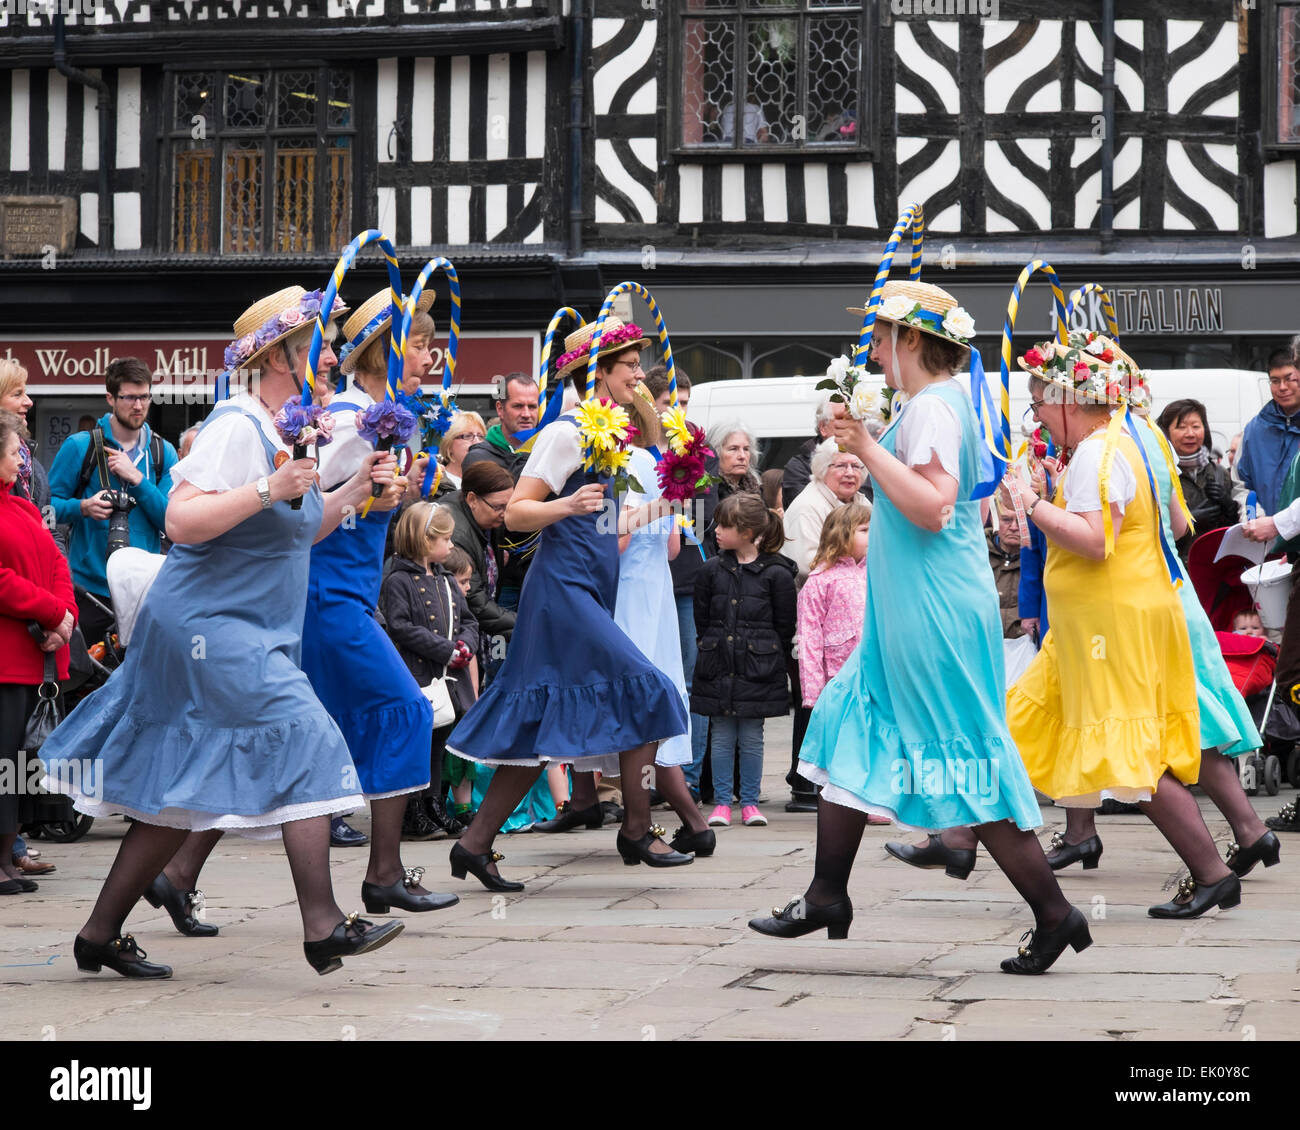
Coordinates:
745 614
429 621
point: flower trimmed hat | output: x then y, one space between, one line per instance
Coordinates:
924 307
270 320
615 338
372 317
1092 367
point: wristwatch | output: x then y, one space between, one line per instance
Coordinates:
1029 510
264 492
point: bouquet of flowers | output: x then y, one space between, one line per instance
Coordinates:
681 470
385 424
604 431
300 426
868 399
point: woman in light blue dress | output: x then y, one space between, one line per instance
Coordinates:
210 724
1227 729
647 612
913 727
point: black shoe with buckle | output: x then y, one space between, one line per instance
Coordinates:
121 955
342 834
638 851
568 818
182 906
1039 949
401 895
1062 854
351 936
1287 820
1193 900
957 863
799 917
463 861
1265 850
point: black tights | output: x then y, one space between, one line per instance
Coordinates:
1016 852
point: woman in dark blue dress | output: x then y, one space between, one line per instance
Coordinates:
573 689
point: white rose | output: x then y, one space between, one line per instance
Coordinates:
959 324
1048 350
837 369
864 404
897 308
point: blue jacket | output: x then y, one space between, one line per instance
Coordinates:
88 551
1268 445
1033 598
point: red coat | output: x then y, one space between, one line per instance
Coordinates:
34 585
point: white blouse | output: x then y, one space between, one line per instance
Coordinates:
342 457
228 452
929 427
556 454
1081 489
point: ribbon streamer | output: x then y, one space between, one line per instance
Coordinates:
341 268
912 219
438 263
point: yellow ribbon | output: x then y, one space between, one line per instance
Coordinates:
1108 451
1168 453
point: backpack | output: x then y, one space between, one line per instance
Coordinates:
95 449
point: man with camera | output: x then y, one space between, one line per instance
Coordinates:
110 485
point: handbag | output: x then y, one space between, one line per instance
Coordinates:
45 716
437 691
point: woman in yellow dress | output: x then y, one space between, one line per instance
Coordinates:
1108 707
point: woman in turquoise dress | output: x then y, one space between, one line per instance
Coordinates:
913 726
1227 728
209 724
573 689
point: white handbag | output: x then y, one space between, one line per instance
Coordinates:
437 692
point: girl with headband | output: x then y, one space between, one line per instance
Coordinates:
209 724
913 726
573 687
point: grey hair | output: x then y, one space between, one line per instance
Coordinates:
825 414
719 433
822 457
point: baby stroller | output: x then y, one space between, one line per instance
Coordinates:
130 573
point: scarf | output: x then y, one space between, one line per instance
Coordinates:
24 483
1193 463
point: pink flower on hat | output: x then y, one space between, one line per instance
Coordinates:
294 317
1081 371
1034 359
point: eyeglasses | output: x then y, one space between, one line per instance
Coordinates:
855 468
632 366
473 437
495 507
136 397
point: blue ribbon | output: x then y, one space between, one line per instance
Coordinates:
369 328
992 465
1167 550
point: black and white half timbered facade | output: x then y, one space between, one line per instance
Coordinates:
745 159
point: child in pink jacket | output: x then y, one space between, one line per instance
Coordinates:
832 602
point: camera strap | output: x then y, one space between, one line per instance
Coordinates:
101 460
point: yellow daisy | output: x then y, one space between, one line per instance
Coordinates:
602 424
679 434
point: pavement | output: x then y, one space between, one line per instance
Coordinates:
596 950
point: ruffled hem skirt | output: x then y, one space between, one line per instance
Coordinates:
864 763
584 726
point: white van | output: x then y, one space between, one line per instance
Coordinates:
781 411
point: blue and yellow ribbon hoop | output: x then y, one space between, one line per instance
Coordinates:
911 219
550 400
432 472
661 328
341 268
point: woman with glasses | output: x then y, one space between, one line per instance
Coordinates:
837 478
478 508
467 429
573 689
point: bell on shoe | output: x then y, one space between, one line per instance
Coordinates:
1287 819
401 895
568 818
122 955
1264 850
1062 854
184 907
353 935
694 843
1225 894
638 851
1039 949
463 861
799 917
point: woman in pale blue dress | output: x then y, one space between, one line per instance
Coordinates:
647 612
1227 729
913 727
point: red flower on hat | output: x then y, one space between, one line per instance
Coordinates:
1108 356
1081 371
1034 359
1112 391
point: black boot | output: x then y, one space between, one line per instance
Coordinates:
437 814
416 825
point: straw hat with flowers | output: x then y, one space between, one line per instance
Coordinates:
924 307
615 338
1092 368
270 320
372 318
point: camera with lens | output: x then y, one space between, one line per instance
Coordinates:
119 521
